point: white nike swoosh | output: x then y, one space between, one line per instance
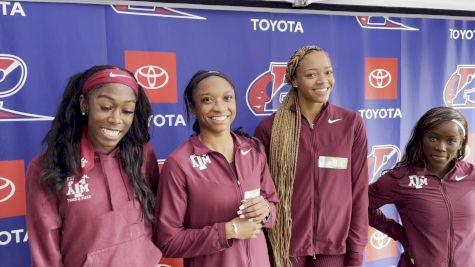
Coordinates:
115 75
460 178
333 121
245 152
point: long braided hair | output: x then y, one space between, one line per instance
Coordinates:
285 137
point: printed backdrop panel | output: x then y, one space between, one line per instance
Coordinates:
388 69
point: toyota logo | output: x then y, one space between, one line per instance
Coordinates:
379 240
8 187
379 78
152 77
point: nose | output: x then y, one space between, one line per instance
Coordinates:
321 78
441 146
114 117
219 105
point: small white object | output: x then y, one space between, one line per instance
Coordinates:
235 229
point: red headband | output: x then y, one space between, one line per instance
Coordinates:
110 76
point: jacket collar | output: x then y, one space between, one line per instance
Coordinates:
88 153
326 109
199 148
423 171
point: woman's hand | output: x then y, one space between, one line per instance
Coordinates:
254 209
242 229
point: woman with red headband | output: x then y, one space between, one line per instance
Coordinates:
90 200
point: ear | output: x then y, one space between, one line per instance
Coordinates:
294 83
83 103
193 110
460 151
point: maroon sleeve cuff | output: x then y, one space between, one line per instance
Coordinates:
354 258
223 241
270 221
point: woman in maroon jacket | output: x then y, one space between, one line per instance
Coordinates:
434 192
317 157
89 196
215 192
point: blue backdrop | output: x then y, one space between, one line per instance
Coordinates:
389 69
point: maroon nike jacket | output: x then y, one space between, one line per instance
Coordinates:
199 192
95 220
438 215
330 195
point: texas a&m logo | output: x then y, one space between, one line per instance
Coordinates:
156 73
417 181
459 91
382 157
77 191
265 94
200 162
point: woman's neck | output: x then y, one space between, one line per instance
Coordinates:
310 110
222 143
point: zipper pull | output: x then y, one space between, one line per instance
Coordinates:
239 183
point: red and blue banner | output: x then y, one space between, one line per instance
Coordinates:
388 69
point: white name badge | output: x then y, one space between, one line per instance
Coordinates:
252 193
332 162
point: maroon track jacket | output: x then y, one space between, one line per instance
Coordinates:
438 215
199 192
330 195
94 220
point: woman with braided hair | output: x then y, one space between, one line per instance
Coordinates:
317 156
90 198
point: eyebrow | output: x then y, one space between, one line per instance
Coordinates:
325 68
113 99
434 133
209 94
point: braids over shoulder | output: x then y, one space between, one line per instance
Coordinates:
285 138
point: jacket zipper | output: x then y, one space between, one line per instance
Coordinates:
315 185
239 187
450 210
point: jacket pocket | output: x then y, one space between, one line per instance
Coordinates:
137 252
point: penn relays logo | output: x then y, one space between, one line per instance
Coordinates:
382 23
155 11
382 157
265 94
13 74
459 91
